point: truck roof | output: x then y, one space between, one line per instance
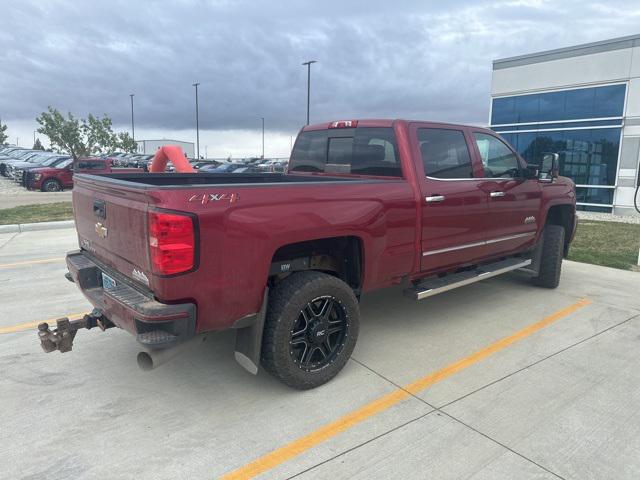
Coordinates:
380 122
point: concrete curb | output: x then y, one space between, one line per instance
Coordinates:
32 227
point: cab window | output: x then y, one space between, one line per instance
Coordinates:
444 153
498 160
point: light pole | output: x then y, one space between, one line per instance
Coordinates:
262 137
308 64
133 128
197 124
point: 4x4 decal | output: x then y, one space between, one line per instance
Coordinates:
205 198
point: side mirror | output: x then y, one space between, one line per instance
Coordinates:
550 167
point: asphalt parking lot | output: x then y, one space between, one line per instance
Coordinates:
495 380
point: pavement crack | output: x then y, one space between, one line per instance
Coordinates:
488 437
355 447
9 241
515 372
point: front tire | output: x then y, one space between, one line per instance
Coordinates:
550 257
51 185
310 330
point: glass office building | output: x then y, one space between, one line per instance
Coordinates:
572 102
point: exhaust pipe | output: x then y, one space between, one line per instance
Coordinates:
150 359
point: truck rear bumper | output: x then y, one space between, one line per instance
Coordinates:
155 324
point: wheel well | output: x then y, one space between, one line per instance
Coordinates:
338 256
563 215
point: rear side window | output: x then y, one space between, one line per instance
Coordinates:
362 151
444 153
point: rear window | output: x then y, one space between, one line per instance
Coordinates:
362 151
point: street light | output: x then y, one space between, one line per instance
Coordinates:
262 137
197 124
133 129
308 64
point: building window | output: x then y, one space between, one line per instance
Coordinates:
588 156
577 104
588 147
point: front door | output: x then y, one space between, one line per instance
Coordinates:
454 206
513 201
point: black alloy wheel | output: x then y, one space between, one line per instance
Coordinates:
319 334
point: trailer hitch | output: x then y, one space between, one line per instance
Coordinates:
61 337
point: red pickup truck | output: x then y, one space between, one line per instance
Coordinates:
60 177
284 258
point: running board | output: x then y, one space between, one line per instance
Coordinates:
435 285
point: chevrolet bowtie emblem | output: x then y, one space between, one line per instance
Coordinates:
101 230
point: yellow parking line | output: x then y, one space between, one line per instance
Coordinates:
29 325
302 444
31 262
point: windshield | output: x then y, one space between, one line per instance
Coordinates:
65 163
49 161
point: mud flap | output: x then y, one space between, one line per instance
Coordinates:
249 340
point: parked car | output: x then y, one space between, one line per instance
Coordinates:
60 177
224 168
20 175
282 259
51 179
14 169
15 156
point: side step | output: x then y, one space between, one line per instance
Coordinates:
435 285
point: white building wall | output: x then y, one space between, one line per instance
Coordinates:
602 67
150 147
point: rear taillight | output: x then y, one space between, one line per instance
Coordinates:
172 243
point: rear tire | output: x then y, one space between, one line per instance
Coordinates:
51 185
551 257
310 330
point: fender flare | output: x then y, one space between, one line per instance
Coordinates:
171 153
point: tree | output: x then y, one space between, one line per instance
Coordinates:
3 135
93 136
126 143
99 135
37 145
65 134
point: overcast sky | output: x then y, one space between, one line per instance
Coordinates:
412 59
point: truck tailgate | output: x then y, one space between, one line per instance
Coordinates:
112 225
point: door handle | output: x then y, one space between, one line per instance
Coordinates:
435 199
496 194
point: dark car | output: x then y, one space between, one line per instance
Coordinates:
224 168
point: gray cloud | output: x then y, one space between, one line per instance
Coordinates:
409 59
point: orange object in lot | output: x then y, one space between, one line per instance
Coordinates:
171 153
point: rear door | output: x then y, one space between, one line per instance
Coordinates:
513 202
454 205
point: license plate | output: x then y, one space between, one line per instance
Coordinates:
107 282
